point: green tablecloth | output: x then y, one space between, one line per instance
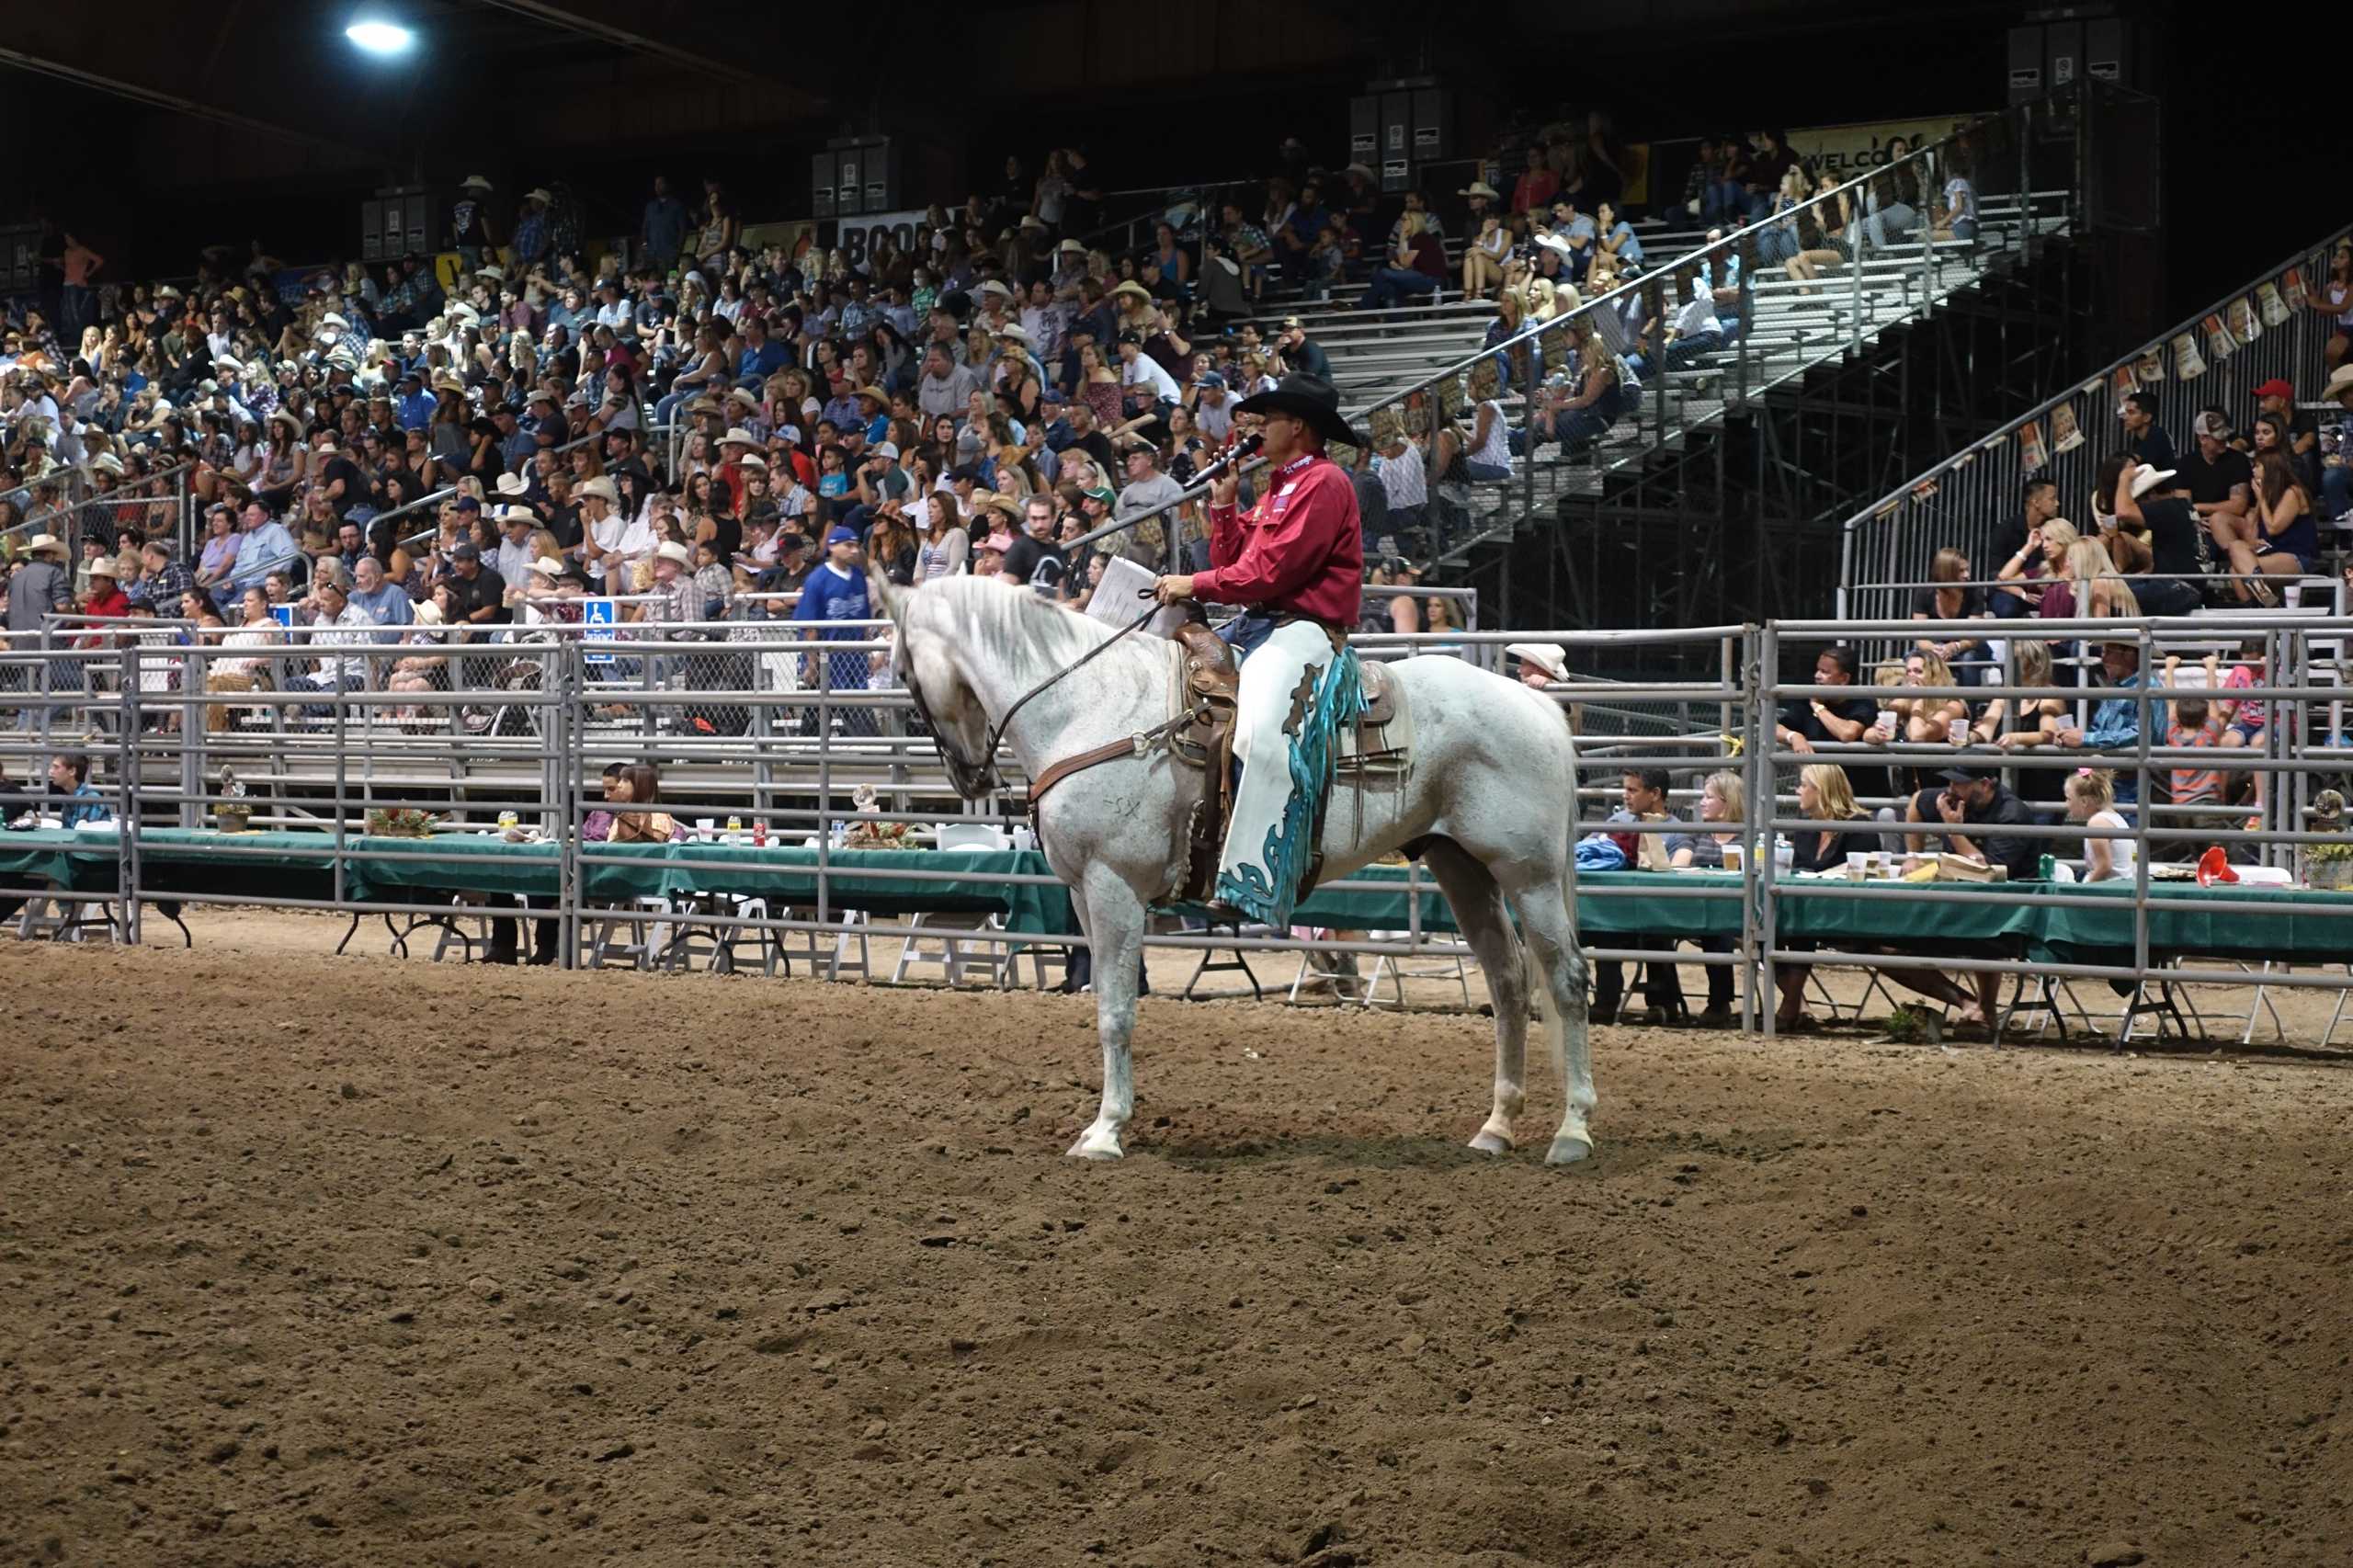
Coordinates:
1630 903
2309 927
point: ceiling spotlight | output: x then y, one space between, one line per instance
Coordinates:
379 38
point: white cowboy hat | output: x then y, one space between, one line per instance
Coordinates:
513 484
738 436
2339 383
2145 479
228 364
546 566
495 274
672 551
45 542
1555 242
752 460
539 193
1546 656
739 394
427 612
462 314
599 486
1481 188
516 515
332 318
994 285
1019 333
474 182
106 462
1071 245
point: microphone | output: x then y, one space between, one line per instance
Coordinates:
1241 451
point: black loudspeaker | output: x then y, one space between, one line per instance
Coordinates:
821 185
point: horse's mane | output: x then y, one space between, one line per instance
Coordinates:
998 620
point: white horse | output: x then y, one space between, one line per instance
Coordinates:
1487 805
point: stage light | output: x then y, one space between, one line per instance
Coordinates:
379 38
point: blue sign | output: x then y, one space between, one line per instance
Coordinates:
596 629
283 615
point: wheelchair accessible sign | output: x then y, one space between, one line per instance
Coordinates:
597 630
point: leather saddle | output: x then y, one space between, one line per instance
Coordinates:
1376 744
1201 734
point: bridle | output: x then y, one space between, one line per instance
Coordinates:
980 773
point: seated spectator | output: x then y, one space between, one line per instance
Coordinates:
1971 807
1483 258
1823 796
1723 812
2116 718
1416 267
2281 540
2192 722
1644 789
257 629
644 788
1948 600
2145 440
2137 506
2091 800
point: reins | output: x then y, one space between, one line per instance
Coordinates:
997 729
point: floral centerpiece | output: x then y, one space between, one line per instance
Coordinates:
869 831
402 822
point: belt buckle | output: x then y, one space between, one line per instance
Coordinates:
1141 741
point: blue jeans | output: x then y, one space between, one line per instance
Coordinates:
1393 283
2336 492
1683 350
1246 631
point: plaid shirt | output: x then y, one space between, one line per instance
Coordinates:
169 585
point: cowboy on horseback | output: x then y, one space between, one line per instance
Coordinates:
1295 563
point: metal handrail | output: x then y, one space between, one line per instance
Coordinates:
1731 244
2191 324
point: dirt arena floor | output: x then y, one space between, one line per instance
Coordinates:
350 1261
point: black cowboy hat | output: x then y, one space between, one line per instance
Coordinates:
1310 399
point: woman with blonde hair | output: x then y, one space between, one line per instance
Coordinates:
2101 589
1824 796
1724 815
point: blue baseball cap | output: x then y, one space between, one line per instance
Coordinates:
841 533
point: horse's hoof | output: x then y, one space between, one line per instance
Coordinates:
1094 1148
1567 1150
1492 1142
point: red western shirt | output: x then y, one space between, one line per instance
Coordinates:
1298 551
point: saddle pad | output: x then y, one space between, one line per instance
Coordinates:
1369 747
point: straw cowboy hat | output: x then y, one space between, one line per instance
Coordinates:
106 462
427 612
673 552
738 436
600 486
1019 333
754 460
738 394
547 566
41 542
1071 247
994 285
2338 384
1313 401
1546 656
706 404
877 393
539 193
2146 478
494 273
516 515
1481 188
474 182
446 381
1131 287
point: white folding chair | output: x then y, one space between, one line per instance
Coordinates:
1397 970
956 954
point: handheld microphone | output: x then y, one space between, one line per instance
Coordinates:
1242 451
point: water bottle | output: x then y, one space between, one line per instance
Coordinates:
1785 856
734 830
